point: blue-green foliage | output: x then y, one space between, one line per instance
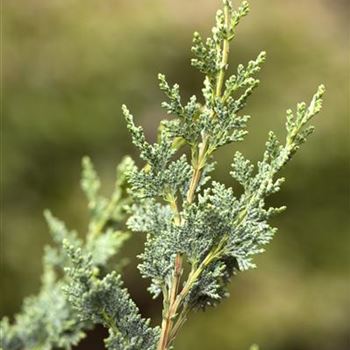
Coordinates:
188 217
47 320
103 300
162 175
218 233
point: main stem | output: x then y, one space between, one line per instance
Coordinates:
175 299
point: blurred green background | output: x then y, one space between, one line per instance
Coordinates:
68 67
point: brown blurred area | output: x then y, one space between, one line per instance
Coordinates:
68 65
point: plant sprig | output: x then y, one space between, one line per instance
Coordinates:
210 229
199 233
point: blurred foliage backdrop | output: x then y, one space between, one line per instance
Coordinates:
68 67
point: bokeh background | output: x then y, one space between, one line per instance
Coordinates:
68 65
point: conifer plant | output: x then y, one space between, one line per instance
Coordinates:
198 233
